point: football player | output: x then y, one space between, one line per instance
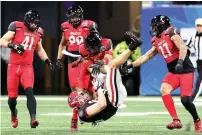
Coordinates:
24 38
167 42
94 50
111 93
73 33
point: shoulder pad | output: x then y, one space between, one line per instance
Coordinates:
12 26
19 24
64 26
41 31
107 43
83 51
172 31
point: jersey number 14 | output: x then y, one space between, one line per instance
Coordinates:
27 44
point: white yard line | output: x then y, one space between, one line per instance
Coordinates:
117 114
143 99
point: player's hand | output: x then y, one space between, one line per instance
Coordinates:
59 63
179 66
100 62
50 64
95 69
17 48
132 41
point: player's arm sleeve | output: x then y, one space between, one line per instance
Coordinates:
12 27
93 27
174 31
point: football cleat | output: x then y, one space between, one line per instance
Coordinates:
34 123
14 120
176 124
198 126
74 125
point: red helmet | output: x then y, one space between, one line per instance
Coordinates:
77 99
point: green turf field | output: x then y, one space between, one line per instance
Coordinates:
140 117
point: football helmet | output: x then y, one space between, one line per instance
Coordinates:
158 24
32 20
77 99
92 42
75 15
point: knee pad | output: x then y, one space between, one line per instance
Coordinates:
186 101
29 91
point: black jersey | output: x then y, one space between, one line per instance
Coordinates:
105 114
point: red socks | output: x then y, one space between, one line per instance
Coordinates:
169 104
75 113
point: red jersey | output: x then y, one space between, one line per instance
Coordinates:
26 38
75 36
106 43
165 45
170 52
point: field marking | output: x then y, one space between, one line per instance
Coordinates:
117 114
143 99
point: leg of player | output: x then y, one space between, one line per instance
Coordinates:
31 105
166 89
12 85
186 85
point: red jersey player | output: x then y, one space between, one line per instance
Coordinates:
23 38
167 42
74 31
94 50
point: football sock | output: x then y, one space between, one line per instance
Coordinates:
169 104
187 102
75 113
12 104
31 103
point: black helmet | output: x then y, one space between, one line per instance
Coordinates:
92 42
75 15
32 17
158 24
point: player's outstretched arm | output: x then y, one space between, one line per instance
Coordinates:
43 56
144 58
6 38
99 106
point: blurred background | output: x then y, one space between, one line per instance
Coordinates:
113 19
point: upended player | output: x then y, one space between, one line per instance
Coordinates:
110 94
168 43
23 38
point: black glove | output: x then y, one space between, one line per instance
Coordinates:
132 41
125 68
95 69
179 66
17 48
50 64
100 62
59 63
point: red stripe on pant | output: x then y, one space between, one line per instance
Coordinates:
111 84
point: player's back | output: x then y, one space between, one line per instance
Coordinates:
170 52
105 114
26 38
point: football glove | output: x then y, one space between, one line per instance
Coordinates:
132 41
179 66
17 48
50 64
59 64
